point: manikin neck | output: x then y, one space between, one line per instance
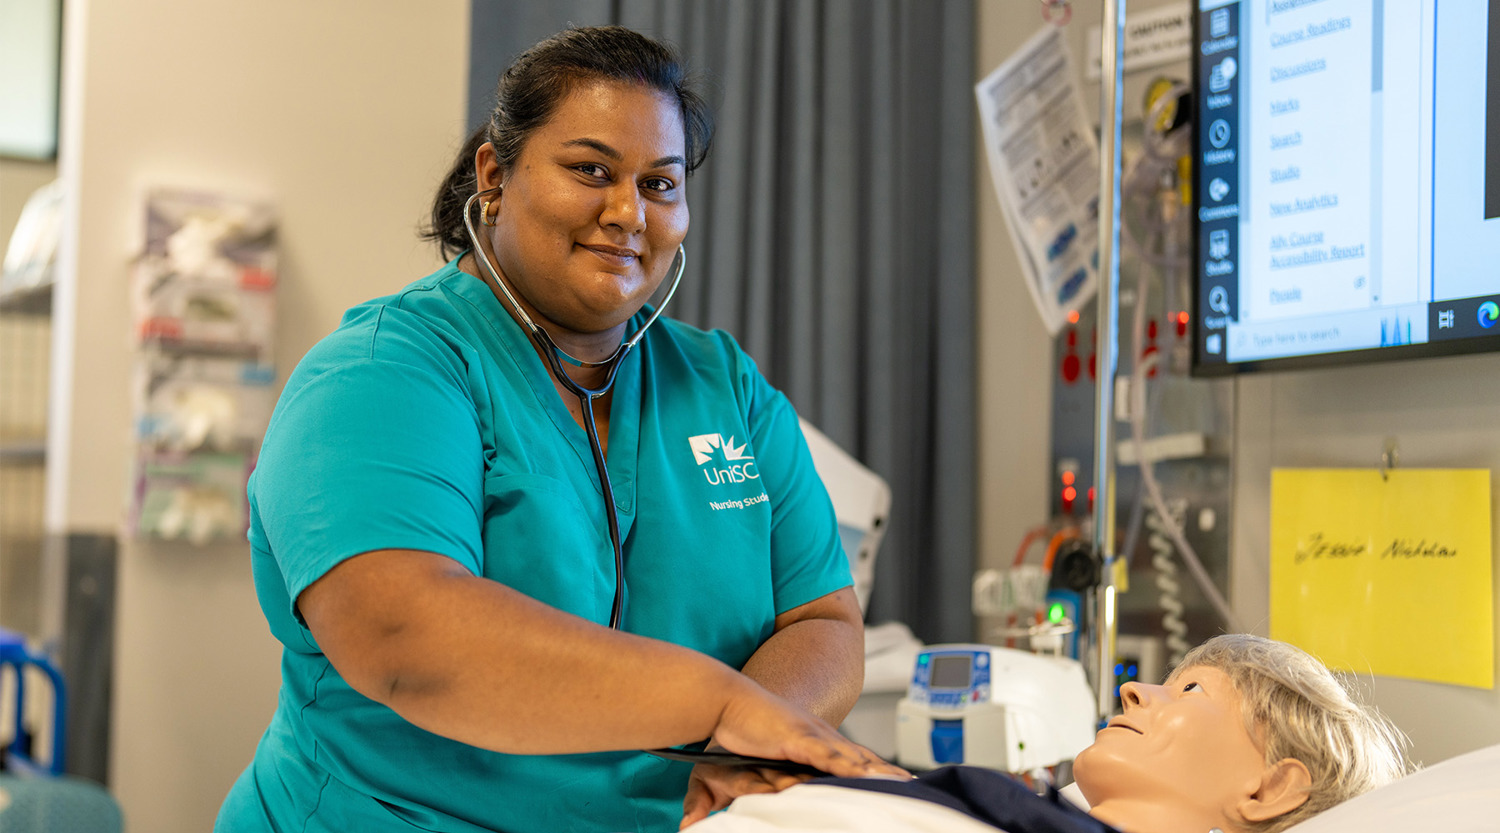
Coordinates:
1146 816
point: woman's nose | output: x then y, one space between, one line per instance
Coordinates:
625 209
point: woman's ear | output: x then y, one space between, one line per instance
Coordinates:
487 172
1283 788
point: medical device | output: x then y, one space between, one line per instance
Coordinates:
1346 205
554 356
1000 708
861 501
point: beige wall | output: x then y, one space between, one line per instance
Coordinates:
344 114
1443 412
1015 352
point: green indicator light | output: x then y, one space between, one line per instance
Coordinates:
1055 613
922 660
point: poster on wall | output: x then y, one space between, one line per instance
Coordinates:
1044 163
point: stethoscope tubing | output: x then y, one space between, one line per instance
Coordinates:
551 354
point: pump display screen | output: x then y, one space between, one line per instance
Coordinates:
950 672
1346 158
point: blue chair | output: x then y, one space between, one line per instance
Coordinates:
15 655
66 804
37 797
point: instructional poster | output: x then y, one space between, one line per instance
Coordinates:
1044 161
1386 573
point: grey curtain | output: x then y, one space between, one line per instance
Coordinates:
833 235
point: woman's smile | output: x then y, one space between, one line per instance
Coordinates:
616 256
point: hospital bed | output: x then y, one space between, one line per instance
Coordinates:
1460 795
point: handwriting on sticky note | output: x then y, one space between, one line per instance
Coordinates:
1318 545
1405 548
1375 574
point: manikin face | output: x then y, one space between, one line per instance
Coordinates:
594 207
1183 743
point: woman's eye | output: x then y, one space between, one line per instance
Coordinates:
590 169
1189 687
659 184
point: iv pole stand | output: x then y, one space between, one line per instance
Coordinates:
1111 84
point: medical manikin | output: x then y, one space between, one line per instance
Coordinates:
1248 735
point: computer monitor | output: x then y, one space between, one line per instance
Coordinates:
1346 181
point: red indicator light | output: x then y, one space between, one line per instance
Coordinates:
1067 478
1069 493
1072 316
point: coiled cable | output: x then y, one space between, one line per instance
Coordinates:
1168 588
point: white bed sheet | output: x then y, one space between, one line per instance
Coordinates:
819 808
1459 795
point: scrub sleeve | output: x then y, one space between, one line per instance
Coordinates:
427 422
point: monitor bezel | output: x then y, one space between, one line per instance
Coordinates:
1372 355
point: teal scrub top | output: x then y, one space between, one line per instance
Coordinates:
427 421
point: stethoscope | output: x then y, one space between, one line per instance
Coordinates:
554 356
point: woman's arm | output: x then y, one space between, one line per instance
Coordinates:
816 659
816 656
473 660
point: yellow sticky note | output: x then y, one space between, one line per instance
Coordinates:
1386 575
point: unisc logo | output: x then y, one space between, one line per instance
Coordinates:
737 466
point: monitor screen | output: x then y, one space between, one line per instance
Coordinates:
950 672
1346 181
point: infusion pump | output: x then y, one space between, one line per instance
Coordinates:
1000 708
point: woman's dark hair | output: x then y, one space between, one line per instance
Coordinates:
530 91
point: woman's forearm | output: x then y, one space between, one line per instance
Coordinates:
473 660
816 657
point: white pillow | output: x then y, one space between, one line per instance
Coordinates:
1459 795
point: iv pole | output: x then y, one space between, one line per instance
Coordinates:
1111 88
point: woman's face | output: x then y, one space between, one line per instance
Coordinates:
594 207
1184 741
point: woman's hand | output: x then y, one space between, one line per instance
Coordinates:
756 722
712 787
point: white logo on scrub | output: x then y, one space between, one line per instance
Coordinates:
737 465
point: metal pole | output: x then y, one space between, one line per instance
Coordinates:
1111 88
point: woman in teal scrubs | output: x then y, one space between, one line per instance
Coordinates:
428 534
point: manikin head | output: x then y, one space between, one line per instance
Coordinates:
1247 735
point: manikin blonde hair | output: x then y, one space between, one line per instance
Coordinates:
1298 709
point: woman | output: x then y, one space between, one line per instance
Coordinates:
427 534
1248 735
